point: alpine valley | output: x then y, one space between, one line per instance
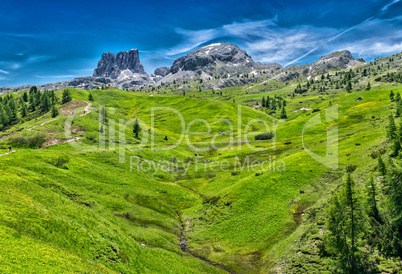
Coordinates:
215 164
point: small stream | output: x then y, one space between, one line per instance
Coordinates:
183 247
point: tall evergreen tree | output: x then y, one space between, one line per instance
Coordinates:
38 96
53 98
263 101
33 89
13 111
66 97
372 208
349 86
103 115
136 129
31 103
25 97
55 112
45 104
396 146
391 96
346 224
90 98
398 98
283 113
381 166
391 130
23 111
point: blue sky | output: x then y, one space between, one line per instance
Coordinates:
49 41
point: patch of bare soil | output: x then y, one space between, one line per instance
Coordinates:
70 107
55 141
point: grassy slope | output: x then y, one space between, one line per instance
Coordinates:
96 208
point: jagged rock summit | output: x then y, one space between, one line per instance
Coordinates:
126 62
220 64
223 60
212 56
337 60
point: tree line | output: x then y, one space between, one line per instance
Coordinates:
364 220
12 109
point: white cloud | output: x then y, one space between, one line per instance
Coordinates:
385 8
4 72
267 41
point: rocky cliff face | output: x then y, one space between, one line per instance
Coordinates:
220 64
211 57
337 60
162 71
112 65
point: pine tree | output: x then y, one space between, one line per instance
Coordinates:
396 146
283 113
25 97
7 116
391 96
368 86
13 111
398 110
136 129
55 112
90 98
349 86
346 224
381 166
391 131
53 98
372 208
66 97
33 90
37 98
23 111
2 116
273 105
263 101
31 103
103 115
44 105
398 98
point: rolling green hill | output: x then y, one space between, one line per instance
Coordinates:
82 194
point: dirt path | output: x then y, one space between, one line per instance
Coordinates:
86 110
12 133
8 153
50 142
31 129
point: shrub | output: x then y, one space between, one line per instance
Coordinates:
264 136
61 160
27 139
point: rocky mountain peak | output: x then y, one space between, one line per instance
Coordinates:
212 56
337 59
111 65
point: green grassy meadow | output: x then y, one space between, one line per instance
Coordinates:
102 204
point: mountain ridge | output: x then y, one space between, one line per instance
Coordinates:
223 61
